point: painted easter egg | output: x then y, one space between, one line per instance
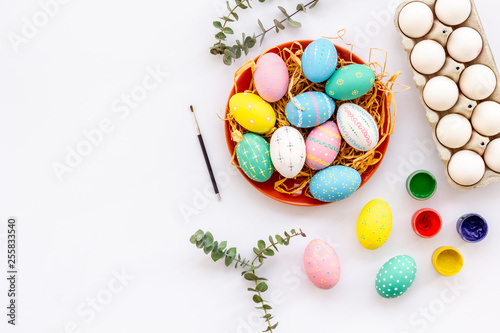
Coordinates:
322 145
322 264
288 151
357 127
334 183
318 108
271 77
319 60
252 112
374 224
254 158
395 276
350 82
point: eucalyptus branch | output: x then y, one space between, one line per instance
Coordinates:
230 53
218 251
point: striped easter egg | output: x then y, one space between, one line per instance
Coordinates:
309 109
322 145
357 127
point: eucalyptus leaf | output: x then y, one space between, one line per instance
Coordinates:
257 299
217 24
261 244
262 287
283 10
250 277
228 30
314 4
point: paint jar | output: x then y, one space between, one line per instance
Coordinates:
426 222
421 185
472 227
447 261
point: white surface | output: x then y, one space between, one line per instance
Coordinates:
119 209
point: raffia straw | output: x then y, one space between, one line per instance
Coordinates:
377 102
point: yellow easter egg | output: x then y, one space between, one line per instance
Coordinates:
374 224
252 112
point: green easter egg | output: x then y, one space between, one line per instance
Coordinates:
254 157
350 82
396 276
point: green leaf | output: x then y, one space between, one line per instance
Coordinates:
220 36
261 26
208 249
283 10
208 239
287 234
199 235
228 31
262 287
222 245
228 6
261 244
250 277
267 316
229 53
236 17
301 7
251 289
217 24
256 251
246 49
279 239
293 231
257 299
192 240
314 4
217 255
264 307
269 252
231 252
278 25
225 18
274 326
228 260
199 244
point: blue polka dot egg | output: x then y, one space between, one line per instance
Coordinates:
334 183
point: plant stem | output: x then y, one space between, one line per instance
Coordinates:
225 22
291 15
265 311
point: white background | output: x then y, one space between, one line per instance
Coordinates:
119 210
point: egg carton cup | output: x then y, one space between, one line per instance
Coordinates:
453 69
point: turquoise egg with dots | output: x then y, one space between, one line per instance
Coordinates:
334 183
350 82
254 157
396 276
319 60
309 109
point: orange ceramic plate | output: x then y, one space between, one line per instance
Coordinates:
299 198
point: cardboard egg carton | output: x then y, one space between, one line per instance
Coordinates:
452 69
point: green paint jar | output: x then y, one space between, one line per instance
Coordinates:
421 185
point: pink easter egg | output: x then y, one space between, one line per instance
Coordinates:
271 77
323 145
322 264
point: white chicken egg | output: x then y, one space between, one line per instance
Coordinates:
440 93
492 155
416 19
453 12
466 167
453 131
464 44
478 82
428 57
486 118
